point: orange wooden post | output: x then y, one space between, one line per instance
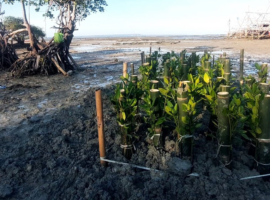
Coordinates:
101 138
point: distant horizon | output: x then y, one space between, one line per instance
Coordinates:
152 18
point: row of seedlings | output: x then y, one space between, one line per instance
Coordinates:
175 89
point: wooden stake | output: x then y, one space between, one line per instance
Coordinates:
241 63
125 67
101 138
132 68
142 57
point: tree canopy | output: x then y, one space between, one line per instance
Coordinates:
15 23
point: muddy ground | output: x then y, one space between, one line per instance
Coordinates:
48 135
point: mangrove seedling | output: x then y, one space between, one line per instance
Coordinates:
152 105
262 72
125 103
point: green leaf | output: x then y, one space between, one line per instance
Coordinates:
166 81
168 110
163 91
184 119
238 102
255 110
124 115
170 104
160 121
198 125
175 107
206 78
258 130
209 97
245 136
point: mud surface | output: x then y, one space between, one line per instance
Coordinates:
49 145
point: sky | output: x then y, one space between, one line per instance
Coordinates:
155 17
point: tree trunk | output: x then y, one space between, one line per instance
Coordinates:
33 45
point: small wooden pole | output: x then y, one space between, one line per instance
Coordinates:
241 63
101 137
150 51
125 67
142 57
132 68
213 61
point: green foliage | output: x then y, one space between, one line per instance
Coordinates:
262 72
153 117
219 68
195 87
125 102
205 57
15 23
237 115
146 72
190 121
252 97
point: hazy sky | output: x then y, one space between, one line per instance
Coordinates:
155 17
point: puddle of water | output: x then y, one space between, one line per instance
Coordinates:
76 57
86 48
41 104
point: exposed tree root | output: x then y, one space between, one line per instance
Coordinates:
7 55
44 62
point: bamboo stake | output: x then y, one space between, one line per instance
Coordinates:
142 57
241 63
227 77
185 72
132 68
125 67
225 88
224 137
154 84
227 68
148 60
58 67
100 123
154 94
262 155
264 87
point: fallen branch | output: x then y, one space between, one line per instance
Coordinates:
58 67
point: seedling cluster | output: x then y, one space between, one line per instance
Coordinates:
174 94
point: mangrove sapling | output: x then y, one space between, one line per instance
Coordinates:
262 72
193 60
152 105
219 68
231 118
145 70
205 57
125 104
191 123
209 91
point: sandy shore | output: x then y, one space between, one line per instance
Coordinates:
254 48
